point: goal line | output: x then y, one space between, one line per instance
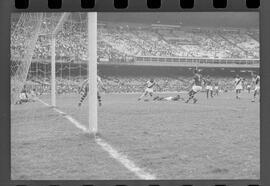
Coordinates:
121 158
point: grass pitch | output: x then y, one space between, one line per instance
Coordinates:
214 139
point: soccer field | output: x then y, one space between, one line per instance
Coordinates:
217 138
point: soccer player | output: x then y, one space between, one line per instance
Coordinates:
209 87
170 98
248 88
24 97
197 86
238 82
149 88
256 81
85 88
216 89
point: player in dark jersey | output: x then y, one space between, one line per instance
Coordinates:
197 86
209 87
85 88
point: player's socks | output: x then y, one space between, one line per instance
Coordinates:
191 95
254 97
99 99
82 99
155 98
140 97
188 99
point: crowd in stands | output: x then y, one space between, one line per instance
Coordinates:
119 42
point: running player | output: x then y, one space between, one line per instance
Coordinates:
197 86
238 82
209 87
149 88
85 88
256 81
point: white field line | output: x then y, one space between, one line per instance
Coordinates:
124 160
121 158
43 102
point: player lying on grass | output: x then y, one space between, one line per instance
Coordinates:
25 97
256 82
149 89
197 86
170 98
85 88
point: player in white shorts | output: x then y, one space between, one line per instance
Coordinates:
197 86
256 81
149 89
238 82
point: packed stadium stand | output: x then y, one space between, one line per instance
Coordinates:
123 42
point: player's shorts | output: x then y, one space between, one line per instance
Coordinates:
238 87
257 88
209 87
216 88
149 90
168 98
23 96
196 88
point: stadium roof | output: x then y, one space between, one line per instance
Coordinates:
200 19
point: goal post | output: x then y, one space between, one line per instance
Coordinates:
56 41
92 70
53 83
53 64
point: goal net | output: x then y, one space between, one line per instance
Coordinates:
24 35
51 56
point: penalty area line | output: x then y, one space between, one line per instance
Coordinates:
121 158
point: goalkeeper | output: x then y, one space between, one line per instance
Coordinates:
85 88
